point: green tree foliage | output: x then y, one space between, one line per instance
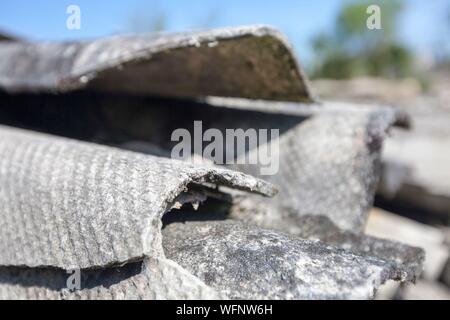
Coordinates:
145 22
352 49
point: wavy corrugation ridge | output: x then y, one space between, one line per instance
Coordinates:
249 62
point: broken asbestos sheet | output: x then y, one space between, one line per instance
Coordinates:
250 62
246 262
70 205
328 165
73 205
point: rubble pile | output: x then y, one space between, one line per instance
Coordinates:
87 181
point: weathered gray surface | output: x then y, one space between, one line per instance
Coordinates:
407 260
222 259
247 262
71 204
251 62
152 279
329 166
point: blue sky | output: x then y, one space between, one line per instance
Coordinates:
422 25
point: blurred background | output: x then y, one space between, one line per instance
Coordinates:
329 36
405 64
